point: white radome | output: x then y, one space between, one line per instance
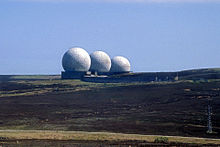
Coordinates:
100 62
76 59
120 64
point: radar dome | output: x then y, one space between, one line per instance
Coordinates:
120 64
76 59
100 62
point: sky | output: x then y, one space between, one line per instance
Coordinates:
155 35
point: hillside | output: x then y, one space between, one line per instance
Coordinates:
159 108
194 75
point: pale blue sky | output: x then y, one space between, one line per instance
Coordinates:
153 35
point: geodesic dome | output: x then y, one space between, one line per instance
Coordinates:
100 62
120 64
76 59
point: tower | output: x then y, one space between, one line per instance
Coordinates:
209 119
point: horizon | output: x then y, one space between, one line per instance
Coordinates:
155 36
45 74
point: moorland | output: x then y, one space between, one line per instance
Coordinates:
170 108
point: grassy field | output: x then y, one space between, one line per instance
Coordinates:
35 85
155 108
41 84
21 135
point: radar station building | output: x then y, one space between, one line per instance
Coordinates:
77 64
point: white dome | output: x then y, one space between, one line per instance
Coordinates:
76 59
101 62
120 64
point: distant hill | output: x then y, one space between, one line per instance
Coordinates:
195 74
208 73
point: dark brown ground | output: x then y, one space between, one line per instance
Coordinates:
55 143
159 109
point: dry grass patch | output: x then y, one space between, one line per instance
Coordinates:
97 136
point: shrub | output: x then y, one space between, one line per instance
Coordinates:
161 140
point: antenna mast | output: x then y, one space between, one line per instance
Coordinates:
209 119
